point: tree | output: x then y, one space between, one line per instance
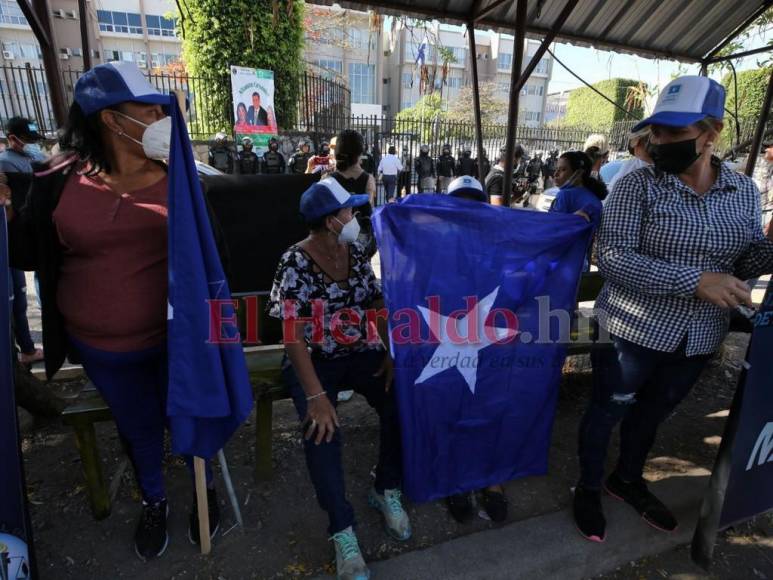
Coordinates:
751 94
493 108
263 34
422 119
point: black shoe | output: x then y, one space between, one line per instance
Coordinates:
460 506
588 514
495 504
636 494
151 539
214 517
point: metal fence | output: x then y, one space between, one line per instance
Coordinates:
408 135
24 92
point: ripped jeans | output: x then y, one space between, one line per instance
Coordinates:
640 387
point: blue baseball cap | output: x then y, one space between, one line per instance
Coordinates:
328 196
108 84
687 100
466 185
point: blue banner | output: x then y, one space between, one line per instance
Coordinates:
479 301
14 523
209 388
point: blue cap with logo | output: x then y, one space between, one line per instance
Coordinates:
687 100
326 197
109 84
467 186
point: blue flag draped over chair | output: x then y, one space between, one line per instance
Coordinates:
209 388
476 410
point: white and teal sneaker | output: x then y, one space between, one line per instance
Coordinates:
395 519
350 564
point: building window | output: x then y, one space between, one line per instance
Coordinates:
542 67
125 22
10 13
359 38
160 26
330 68
406 103
362 81
532 116
460 54
504 61
454 82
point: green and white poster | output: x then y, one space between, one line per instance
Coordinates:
253 102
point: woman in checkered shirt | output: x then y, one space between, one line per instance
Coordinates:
675 244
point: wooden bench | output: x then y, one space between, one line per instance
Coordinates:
264 366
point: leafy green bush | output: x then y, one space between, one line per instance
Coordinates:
267 35
588 109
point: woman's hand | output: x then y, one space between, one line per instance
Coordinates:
723 290
321 417
386 370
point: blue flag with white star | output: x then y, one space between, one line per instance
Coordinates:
480 300
209 388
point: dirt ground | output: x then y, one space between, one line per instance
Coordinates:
284 534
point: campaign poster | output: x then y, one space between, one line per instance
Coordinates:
253 102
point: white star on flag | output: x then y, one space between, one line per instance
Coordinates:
454 351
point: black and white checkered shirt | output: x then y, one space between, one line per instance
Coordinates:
656 238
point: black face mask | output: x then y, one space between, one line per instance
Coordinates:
675 157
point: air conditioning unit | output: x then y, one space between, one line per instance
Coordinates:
64 56
73 14
58 13
142 63
8 55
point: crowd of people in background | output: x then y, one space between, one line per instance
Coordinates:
670 284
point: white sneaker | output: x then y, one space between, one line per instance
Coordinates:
395 519
344 396
350 564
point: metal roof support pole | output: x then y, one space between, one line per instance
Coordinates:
759 132
476 98
84 16
549 37
704 69
512 112
39 18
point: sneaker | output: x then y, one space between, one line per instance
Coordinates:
151 539
350 565
344 396
588 514
396 520
214 517
495 504
460 506
636 494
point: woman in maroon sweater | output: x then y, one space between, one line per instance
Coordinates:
95 226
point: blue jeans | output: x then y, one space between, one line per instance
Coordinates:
21 327
355 372
640 387
390 182
134 385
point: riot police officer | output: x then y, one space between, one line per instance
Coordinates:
273 161
300 158
445 168
425 171
221 156
465 165
249 162
367 162
549 169
534 170
404 180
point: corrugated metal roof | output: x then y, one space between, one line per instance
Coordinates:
684 30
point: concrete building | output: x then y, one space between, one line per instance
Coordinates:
495 57
346 44
555 107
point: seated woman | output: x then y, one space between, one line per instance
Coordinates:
579 192
322 288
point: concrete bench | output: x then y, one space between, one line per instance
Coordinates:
264 366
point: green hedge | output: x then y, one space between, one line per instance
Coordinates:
246 33
586 108
751 94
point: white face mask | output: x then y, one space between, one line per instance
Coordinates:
33 150
350 231
156 139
